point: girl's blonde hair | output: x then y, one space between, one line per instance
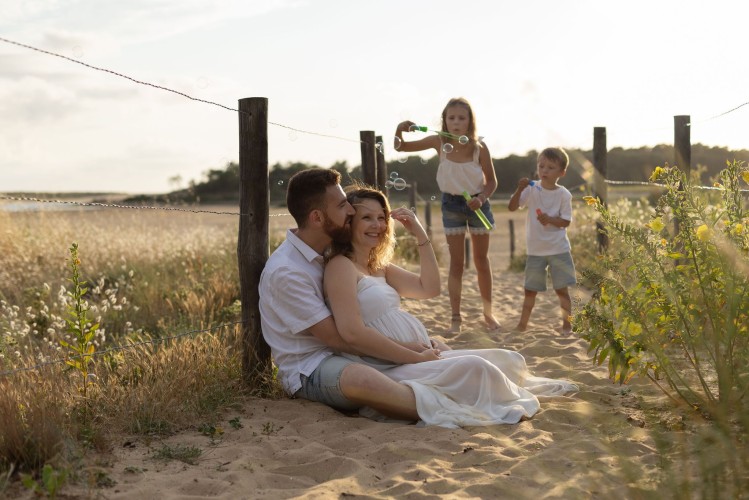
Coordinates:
461 101
381 255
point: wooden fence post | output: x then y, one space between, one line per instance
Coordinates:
368 157
683 143
468 252
382 167
252 243
600 189
512 240
428 217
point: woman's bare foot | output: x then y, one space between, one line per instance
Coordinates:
455 322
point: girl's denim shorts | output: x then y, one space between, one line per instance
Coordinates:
456 215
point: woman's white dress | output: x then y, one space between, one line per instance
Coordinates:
467 386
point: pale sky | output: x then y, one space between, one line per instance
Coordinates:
538 73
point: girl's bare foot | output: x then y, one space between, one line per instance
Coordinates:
492 325
521 328
455 322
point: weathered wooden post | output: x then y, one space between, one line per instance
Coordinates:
468 252
683 143
252 243
413 189
512 240
368 157
382 167
428 217
600 188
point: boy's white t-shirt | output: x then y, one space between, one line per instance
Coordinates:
291 301
546 240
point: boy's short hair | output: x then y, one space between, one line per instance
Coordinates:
306 192
558 155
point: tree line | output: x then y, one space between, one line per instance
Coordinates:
633 164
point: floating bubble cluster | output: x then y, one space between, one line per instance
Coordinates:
396 183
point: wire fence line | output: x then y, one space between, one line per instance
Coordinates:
167 89
133 345
114 205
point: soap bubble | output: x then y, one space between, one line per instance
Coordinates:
413 128
280 183
463 139
393 175
380 147
402 159
400 184
447 148
388 184
424 161
434 198
397 142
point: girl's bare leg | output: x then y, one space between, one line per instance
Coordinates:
484 273
456 246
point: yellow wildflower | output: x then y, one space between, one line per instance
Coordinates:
704 233
656 224
745 176
590 200
634 329
656 174
738 229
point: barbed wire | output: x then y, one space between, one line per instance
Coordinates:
167 89
7 373
114 205
642 183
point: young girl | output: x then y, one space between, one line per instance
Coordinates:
465 165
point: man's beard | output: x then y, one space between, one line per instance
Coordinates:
339 234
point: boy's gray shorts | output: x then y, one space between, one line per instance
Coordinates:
561 267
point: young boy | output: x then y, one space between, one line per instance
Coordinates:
549 214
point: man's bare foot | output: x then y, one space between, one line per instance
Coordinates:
455 322
492 325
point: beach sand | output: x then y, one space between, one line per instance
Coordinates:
590 444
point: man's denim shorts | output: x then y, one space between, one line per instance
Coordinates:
323 384
456 215
562 271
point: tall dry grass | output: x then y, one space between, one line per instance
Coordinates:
151 275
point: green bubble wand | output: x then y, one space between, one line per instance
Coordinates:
462 139
478 211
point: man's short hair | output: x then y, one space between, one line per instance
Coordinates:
557 155
306 192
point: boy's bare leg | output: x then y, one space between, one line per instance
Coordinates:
565 304
528 302
366 386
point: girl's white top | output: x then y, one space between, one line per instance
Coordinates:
454 177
